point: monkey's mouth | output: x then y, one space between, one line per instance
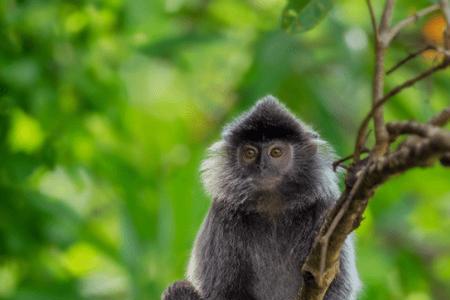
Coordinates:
268 183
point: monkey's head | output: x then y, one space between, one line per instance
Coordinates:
268 155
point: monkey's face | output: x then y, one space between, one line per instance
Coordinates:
268 154
266 163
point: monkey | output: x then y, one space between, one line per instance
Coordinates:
271 182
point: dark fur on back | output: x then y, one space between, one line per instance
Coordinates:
244 250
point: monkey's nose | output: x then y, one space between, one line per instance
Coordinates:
265 172
263 165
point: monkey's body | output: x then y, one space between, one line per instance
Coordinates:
266 210
272 250
264 256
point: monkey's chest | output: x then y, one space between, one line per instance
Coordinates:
276 262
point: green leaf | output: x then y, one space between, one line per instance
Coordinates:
303 15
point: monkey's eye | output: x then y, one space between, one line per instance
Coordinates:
276 152
250 152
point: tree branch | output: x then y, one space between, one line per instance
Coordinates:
410 57
409 127
381 135
363 127
442 118
339 162
383 37
408 21
425 144
372 17
321 265
386 16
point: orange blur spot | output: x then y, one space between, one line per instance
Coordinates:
433 30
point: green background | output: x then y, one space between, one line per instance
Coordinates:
107 107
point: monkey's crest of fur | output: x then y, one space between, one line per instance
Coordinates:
267 120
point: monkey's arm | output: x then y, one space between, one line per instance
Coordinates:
220 268
346 285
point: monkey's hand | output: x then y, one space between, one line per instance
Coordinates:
181 290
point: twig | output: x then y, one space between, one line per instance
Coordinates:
414 80
372 17
381 135
393 92
386 16
339 162
409 57
408 21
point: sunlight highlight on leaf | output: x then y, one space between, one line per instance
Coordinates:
26 134
80 259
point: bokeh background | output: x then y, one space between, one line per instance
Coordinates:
107 107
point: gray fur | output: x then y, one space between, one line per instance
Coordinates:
254 239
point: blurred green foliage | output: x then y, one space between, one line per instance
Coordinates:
106 109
